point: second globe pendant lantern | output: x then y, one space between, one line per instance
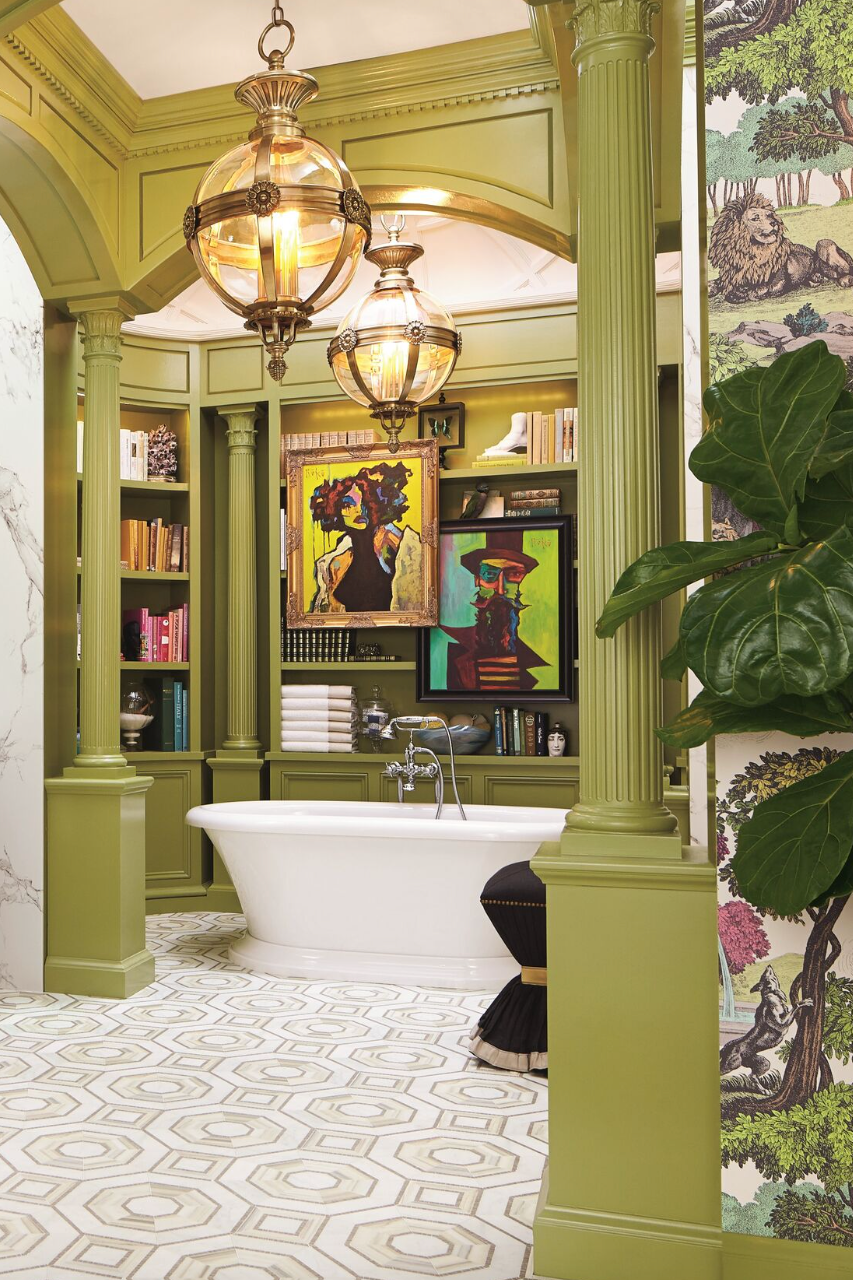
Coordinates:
398 346
278 224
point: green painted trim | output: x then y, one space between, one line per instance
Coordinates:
223 900
232 762
578 1244
612 873
761 1258
111 980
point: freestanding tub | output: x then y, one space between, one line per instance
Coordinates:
371 892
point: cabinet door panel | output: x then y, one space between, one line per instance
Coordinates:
521 789
322 784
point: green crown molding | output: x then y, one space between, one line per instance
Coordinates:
14 13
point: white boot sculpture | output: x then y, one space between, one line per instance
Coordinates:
513 443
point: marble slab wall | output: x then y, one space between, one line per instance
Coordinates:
21 623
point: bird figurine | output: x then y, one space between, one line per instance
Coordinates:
474 506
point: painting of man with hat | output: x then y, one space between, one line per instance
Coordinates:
502 610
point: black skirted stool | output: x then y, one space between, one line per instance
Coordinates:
513 1032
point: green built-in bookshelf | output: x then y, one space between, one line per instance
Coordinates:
177 861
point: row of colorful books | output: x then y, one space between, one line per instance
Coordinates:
322 440
552 437
154 546
161 637
170 729
520 733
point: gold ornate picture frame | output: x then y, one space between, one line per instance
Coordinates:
362 536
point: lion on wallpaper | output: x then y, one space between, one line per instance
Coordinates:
755 258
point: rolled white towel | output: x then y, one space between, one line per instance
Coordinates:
320 705
321 735
317 690
332 719
306 745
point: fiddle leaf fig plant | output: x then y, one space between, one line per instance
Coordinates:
771 643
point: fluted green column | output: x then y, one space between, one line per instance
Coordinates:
238 765
242 725
633 1187
618 490
100 587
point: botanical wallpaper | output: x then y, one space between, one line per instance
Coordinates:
779 171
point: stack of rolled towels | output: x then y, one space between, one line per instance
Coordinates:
319 717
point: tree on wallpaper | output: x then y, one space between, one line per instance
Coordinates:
779 171
797 1124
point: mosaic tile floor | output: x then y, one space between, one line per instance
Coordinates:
226 1126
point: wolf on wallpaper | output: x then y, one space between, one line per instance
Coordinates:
779 172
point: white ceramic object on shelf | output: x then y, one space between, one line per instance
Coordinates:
132 724
514 442
371 892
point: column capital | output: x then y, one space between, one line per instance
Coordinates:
611 21
240 430
100 322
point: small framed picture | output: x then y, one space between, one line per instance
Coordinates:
443 422
505 607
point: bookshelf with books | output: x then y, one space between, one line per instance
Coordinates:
166 606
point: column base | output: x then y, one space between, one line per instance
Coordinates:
96 883
634 1110
573 1244
112 980
237 775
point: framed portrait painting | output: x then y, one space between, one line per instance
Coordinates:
504 614
362 527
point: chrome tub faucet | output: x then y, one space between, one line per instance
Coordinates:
408 772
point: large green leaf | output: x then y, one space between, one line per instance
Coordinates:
673 664
828 504
781 627
666 569
803 717
766 424
841 885
836 446
796 843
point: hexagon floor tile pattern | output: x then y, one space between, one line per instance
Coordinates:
223 1125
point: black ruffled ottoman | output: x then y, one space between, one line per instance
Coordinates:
513 1032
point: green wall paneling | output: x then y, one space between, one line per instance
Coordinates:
178 858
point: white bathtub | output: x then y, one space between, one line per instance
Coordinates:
371 892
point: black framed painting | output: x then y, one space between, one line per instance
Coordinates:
506 600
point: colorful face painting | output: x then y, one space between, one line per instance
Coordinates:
503 612
361 536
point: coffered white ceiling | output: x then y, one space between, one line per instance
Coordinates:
169 46
468 267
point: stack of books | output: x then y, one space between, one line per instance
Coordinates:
155 547
322 440
163 637
534 502
170 729
520 733
552 437
309 644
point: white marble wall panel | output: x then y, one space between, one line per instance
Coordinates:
21 623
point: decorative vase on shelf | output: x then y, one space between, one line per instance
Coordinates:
135 713
374 712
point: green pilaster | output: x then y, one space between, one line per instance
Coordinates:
633 1191
96 811
242 732
238 766
100 595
